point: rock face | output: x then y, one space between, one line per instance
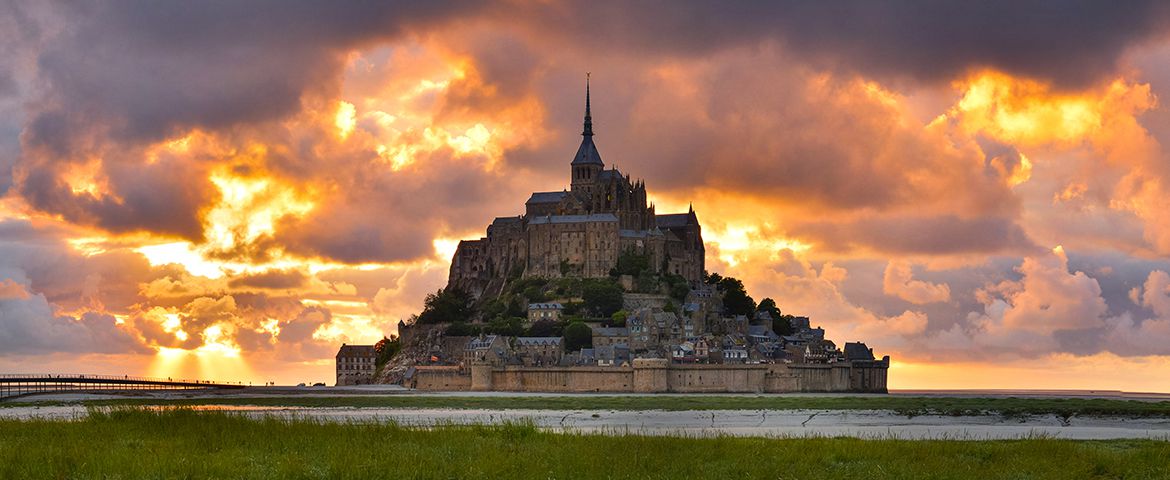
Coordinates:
421 345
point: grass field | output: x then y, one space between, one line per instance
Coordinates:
909 406
127 442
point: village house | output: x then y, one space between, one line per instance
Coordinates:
486 348
606 336
539 351
356 364
544 311
617 355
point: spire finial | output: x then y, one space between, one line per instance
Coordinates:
588 117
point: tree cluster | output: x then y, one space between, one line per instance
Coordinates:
446 305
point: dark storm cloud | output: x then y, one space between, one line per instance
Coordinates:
123 75
386 216
275 279
930 235
29 326
1070 43
163 197
153 67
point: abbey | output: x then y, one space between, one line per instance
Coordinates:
581 231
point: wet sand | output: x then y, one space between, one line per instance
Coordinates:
765 423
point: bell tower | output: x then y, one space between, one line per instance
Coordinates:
587 164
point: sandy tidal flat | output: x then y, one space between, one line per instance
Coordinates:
771 423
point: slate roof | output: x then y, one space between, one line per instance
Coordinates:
481 343
505 220
546 197
762 331
615 353
545 306
596 217
350 351
857 351
537 341
587 153
611 331
672 220
607 175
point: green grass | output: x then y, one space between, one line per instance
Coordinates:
127 442
909 406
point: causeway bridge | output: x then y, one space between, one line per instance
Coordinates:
20 384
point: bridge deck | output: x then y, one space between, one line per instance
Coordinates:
13 385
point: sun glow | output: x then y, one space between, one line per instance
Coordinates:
249 209
1029 113
346 119
86 178
736 242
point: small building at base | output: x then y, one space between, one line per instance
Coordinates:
356 364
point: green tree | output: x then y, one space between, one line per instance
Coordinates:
769 305
515 309
447 305
618 319
546 328
646 283
461 329
508 327
631 263
602 298
735 298
780 323
677 286
535 294
578 335
386 348
783 326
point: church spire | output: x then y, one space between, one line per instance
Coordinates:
588 117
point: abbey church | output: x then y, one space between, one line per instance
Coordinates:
581 231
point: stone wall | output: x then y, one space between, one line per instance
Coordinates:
561 379
654 375
443 379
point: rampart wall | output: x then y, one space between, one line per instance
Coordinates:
441 379
658 376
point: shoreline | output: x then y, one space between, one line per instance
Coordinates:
811 423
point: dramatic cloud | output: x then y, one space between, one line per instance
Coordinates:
235 188
899 281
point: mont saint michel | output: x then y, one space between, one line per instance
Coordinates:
592 290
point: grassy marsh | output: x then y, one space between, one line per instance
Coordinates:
903 405
126 442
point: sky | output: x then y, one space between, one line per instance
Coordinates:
229 190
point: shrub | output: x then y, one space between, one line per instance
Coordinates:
578 335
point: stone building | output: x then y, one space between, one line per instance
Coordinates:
605 336
582 230
491 349
539 351
544 311
356 364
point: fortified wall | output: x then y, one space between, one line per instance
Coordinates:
655 375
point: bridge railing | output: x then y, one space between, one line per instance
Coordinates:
120 378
